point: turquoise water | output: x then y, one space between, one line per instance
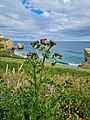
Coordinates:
72 51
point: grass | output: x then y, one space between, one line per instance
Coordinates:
8 53
57 69
63 93
32 90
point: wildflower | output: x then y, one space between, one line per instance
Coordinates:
34 43
51 43
75 108
58 54
66 106
32 54
43 41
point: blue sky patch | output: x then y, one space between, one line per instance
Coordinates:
27 5
39 12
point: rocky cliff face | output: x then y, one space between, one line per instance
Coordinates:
7 43
87 55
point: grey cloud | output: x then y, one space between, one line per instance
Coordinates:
66 19
85 31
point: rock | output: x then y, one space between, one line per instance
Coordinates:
87 55
80 65
8 44
22 54
20 46
1 36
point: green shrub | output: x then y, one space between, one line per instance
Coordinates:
3 39
1 45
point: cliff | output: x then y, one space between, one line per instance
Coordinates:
86 63
87 55
5 43
6 48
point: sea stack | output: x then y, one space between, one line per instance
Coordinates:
87 55
20 46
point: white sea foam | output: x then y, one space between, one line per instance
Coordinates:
72 64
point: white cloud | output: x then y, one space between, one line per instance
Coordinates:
46 14
66 1
58 18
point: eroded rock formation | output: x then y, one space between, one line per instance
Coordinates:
20 46
7 44
87 55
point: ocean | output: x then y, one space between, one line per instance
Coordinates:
72 51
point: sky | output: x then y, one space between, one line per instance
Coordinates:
52 19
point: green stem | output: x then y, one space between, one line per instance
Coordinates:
43 62
42 67
35 88
35 80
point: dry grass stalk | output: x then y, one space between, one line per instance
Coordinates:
20 67
6 69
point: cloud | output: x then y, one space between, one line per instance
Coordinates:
2 6
55 19
66 1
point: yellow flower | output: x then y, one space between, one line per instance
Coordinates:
66 106
75 108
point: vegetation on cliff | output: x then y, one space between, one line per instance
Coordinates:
3 39
8 53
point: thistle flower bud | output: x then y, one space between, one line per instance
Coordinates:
58 54
43 41
51 43
34 43
33 55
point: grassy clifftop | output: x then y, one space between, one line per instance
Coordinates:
57 69
8 53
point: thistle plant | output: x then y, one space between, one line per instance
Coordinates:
37 64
